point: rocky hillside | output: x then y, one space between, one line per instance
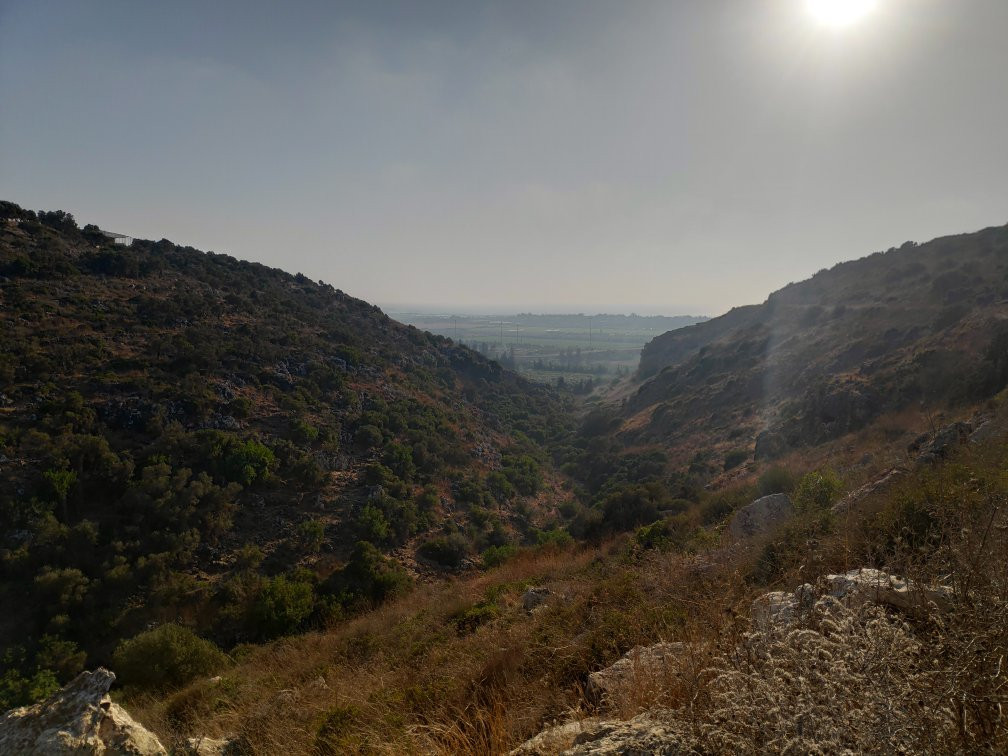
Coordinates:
921 324
188 437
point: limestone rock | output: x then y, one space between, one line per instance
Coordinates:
944 441
869 585
781 608
205 746
851 500
648 733
555 739
769 445
535 597
80 719
761 516
641 668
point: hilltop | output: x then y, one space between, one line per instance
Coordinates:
923 325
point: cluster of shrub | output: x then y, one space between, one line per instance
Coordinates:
156 396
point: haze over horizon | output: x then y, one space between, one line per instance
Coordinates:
451 154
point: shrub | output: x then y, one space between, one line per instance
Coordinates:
168 656
775 480
817 490
735 457
282 606
494 556
368 437
368 578
311 535
633 506
248 462
554 537
447 551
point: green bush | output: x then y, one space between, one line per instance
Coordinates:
447 551
168 656
775 480
494 556
368 578
368 437
282 606
817 490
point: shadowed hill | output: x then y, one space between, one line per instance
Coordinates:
918 324
184 435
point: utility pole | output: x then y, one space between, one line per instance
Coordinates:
589 333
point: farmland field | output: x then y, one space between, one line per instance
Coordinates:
582 350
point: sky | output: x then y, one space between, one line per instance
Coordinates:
513 155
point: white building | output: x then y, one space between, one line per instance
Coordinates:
118 238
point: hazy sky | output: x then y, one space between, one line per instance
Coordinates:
683 155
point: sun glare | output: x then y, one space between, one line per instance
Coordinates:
840 13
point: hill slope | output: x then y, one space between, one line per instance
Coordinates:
826 356
189 437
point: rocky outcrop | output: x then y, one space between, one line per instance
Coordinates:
205 746
851 501
555 739
535 597
761 516
641 668
648 733
866 585
80 719
769 445
780 609
826 669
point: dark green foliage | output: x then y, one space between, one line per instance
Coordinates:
669 533
633 506
447 551
168 656
282 606
368 579
494 556
818 490
165 406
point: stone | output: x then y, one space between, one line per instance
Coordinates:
982 432
641 668
653 733
781 608
554 739
851 500
944 441
869 585
769 445
204 746
79 719
761 516
535 597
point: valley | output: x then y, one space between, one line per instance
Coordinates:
288 522
579 352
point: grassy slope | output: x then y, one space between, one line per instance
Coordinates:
462 667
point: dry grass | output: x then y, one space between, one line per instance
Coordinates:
461 667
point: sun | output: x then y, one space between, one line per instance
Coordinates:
840 13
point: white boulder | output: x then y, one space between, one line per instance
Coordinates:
80 719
